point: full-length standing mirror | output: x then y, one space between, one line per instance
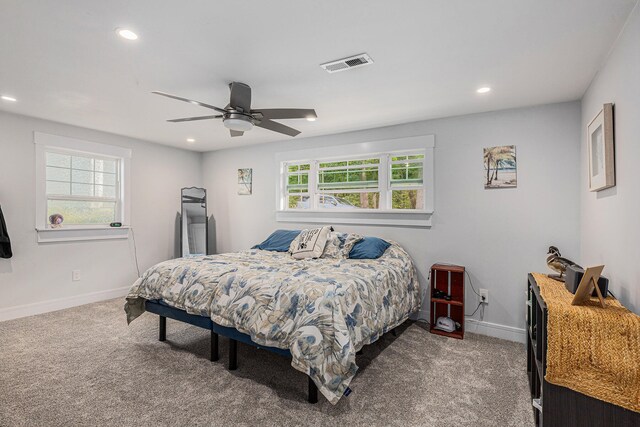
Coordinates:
194 228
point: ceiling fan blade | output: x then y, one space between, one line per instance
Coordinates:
236 132
240 97
277 127
287 113
190 119
190 101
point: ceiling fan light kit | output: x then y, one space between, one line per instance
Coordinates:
238 116
240 123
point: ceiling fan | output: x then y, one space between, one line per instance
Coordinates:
238 116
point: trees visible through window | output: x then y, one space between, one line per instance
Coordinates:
390 181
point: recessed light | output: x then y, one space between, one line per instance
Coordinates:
191 140
311 119
8 98
127 34
484 89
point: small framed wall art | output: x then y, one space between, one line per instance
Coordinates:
245 181
500 167
601 150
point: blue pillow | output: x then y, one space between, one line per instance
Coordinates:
278 241
369 248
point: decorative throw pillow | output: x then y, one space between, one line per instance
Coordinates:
279 241
335 243
369 248
310 243
339 244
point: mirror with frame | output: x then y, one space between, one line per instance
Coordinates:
194 228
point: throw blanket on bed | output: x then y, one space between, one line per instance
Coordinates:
590 349
322 310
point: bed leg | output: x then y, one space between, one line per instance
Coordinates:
233 354
313 392
162 330
214 346
394 333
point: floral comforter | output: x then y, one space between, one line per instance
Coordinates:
322 310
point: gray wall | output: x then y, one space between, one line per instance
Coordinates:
42 272
499 235
611 218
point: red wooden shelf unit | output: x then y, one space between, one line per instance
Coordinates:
450 280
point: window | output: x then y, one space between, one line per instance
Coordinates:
84 182
384 182
84 189
391 181
406 183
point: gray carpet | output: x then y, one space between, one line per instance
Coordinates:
85 366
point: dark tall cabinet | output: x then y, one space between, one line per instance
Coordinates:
555 405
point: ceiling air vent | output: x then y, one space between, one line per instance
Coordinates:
347 63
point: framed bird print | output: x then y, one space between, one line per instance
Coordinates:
601 150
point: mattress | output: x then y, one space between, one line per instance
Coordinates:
321 310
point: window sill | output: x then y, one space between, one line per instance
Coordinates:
420 219
80 233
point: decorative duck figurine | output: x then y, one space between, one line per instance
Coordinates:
558 263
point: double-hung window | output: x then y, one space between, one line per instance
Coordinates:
82 188
359 183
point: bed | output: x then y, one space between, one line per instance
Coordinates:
318 311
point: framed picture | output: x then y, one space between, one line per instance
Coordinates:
245 181
601 151
500 167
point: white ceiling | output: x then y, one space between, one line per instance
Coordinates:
63 60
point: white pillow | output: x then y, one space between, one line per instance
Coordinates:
310 243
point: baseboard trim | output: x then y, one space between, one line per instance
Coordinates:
496 330
486 328
25 310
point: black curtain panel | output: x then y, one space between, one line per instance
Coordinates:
5 243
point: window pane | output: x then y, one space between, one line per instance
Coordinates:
59 160
105 178
58 174
58 188
81 212
407 199
332 164
105 191
84 163
348 178
298 183
406 174
298 202
83 177
82 189
393 159
105 165
349 201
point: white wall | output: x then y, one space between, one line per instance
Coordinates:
38 274
499 235
611 218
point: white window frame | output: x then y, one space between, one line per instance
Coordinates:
69 232
384 215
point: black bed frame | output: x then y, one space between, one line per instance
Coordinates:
164 311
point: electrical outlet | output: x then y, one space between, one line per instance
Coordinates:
75 275
484 296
